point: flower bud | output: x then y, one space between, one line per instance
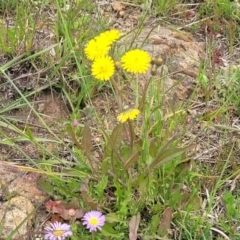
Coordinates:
75 122
71 212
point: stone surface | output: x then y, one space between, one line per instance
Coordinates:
19 196
16 215
181 53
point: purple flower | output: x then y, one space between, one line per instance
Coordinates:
93 220
57 231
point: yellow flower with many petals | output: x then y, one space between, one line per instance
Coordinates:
96 47
130 114
110 36
136 61
103 68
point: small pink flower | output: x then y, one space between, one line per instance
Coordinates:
75 122
93 220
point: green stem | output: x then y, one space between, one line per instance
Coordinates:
137 91
131 133
118 94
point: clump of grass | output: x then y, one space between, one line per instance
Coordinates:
143 168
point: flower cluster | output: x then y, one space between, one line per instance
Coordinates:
103 67
93 220
97 50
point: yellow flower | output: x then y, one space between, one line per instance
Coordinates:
130 114
103 68
136 61
110 36
96 47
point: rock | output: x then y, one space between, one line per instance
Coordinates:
18 196
181 54
16 215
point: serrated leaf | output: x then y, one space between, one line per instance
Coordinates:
143 186
102 184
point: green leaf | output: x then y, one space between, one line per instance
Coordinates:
46 186
75 172
153 148
154 223
229 202
112 217
182 168
100 187
165 157
71 133
86 139
88 200
131 160
142 182
29 133
108 231
114 140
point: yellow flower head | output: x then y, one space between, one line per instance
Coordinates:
110 36
136 61
130 114
103 68
96 47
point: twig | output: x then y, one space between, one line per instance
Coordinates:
190 24
220 232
